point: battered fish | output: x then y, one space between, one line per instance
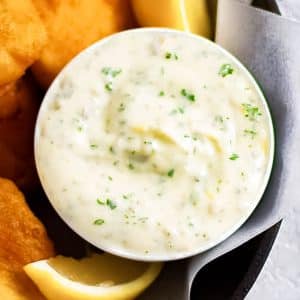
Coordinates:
72 25
18 110
23 239
22 37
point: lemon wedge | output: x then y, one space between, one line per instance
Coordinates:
98 277
188 15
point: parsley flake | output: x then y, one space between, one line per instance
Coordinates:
171 173
111 204
188 95
170 55
100 202
98 222
161 93
233 156
111 72
251 111
250 132
108 86
225 70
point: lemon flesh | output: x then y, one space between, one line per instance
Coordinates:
188 15
99 277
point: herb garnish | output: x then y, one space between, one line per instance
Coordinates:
251 111
250 132
233 156
108 86
130 166
111 204
161 93
98 222
111 72
171 173
170 55
121 107
111 149
93 146
191 97
225 70
100 202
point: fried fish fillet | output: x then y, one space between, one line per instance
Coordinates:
22 37
72 25
18 110
23 239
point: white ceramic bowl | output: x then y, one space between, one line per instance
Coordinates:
212 243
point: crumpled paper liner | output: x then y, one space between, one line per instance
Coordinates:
269 45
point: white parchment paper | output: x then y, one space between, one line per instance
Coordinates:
269 45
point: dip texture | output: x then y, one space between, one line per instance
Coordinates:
154 144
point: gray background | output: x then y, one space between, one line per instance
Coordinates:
280 278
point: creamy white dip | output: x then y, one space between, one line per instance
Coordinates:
154 144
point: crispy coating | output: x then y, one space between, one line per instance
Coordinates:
23 240
18 109
72 25
22 37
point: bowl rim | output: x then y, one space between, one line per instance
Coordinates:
148 257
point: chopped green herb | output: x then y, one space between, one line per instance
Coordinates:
93 146
110 178
225 70
147 143
233 156
171 173
98 222
121 107
251 111
111 149
111 72
161 93
188 95
111 204
169 55
181 110
219 119
100 202
143 219
251 133
108 86
130 166
79 128
115 162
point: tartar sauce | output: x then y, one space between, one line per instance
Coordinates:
154 144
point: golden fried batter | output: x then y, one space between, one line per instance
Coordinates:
23 240
72 25
22 37
18 110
